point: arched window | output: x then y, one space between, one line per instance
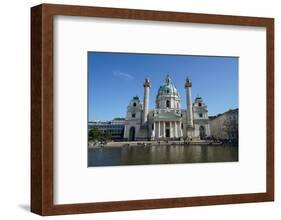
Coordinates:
200 104
168 104
168 91
134 104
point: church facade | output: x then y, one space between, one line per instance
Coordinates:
167 121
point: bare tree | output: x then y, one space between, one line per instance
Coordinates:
231 128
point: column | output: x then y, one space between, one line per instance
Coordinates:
153 131
164 129
146 86
189 113
158 124
180 129
125 132
171 129
176 129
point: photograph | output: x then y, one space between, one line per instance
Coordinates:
148 109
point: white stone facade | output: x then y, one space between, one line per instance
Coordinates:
167 120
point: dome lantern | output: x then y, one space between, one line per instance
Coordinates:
168 79
187 83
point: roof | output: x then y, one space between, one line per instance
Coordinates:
118 119
168 87
224 113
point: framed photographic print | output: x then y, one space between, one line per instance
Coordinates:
138 109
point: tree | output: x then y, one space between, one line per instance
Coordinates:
94 134
231 128
105 137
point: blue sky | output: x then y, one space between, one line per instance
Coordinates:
114 78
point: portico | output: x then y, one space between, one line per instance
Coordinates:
167 129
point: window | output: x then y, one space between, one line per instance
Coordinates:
181 125
200 104
168 104
152 127
200 115
134 104
133 115
168 91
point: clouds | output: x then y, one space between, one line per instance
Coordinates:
122 75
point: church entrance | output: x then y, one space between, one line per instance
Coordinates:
167 133
202 132
132 134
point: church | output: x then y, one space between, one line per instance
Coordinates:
167 121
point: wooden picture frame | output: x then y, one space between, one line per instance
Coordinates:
42 104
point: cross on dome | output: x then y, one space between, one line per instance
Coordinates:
168 79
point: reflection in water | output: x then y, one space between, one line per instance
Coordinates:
140 155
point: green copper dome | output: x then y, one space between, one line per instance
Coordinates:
167 88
